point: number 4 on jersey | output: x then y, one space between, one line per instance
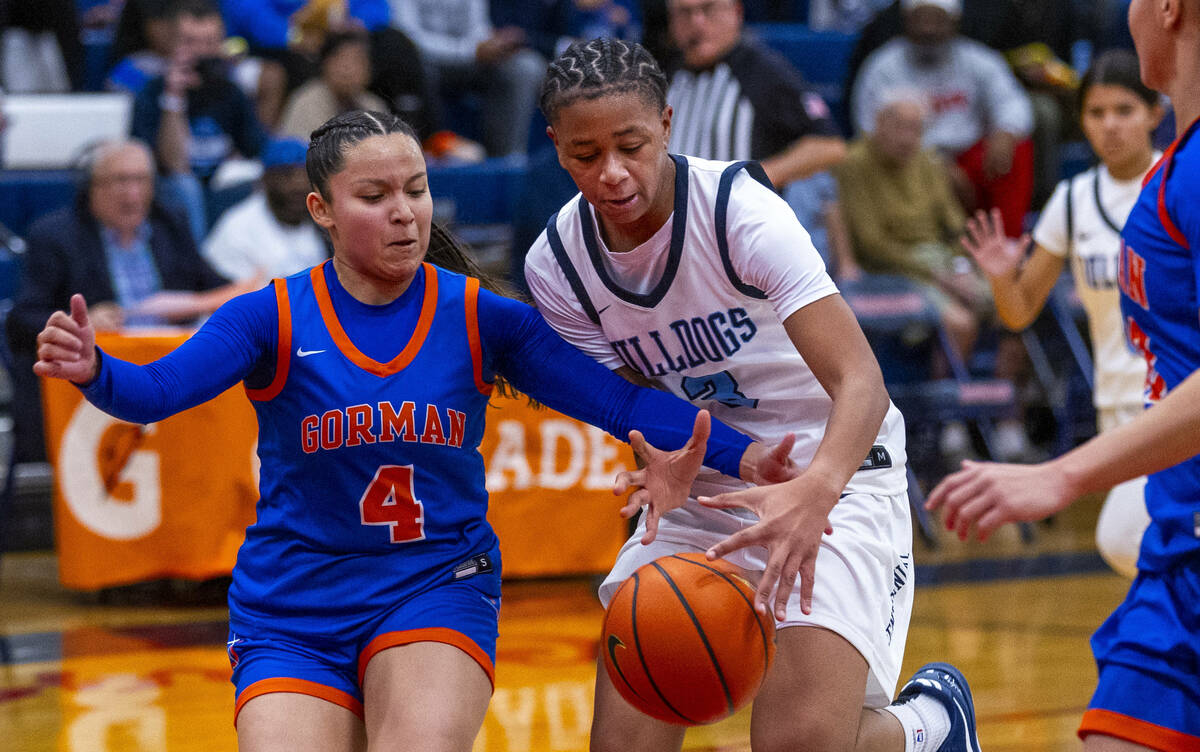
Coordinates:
390 500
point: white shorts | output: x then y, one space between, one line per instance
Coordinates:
863 589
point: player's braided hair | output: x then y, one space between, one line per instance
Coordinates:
587 70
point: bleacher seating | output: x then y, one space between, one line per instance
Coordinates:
822 57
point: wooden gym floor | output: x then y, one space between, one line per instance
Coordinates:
126 673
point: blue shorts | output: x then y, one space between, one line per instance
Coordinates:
1148 655
463 613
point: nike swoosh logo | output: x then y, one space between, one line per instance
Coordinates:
614 642
302 353
605 308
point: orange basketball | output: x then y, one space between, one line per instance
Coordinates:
682 641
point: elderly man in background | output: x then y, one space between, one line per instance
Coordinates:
904 220
270 234
980 117
134 262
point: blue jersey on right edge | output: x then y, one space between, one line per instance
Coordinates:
1147 651
1160 280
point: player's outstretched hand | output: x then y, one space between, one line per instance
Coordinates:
792 516
665 479
985 240
985 495
66 348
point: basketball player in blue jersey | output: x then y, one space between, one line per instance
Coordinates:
1148 651
365 599
693 275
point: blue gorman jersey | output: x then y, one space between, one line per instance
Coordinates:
370 418
1159 279
373 462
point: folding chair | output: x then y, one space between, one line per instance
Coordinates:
906 332
1067 382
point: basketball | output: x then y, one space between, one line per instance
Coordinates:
682 642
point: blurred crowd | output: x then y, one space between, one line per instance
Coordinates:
950 107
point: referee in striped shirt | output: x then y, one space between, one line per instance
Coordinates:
735 99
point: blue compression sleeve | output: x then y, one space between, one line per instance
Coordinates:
226 349
522 347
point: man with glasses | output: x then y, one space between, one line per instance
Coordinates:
134 262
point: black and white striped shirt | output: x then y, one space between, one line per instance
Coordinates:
750 105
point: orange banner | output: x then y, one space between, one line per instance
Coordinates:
173 498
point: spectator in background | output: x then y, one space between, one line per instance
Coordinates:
463 51
135 261
903 217
846 16
142 45
145 39
270 234
735 99
195 116
904 220
980 116
293 33
341 87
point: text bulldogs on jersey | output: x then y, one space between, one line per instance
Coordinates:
363 424
687 343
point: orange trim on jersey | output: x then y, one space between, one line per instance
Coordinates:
283 348
1118 726
428 634
299 687
472 298
368 364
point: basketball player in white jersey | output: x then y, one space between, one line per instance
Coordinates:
1082 224
693 275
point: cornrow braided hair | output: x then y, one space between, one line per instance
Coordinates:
587 70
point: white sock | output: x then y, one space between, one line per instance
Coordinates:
925 721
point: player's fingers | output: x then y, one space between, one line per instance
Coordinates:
770 581
701 428
742 499
969 512
627 479
638 443
939 494
988 523
782 452
787 582
651 526
741 539
79 312
58 353
808 572
630 508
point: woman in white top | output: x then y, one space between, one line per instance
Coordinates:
1081 224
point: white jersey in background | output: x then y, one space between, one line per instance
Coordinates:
699 308
1099 206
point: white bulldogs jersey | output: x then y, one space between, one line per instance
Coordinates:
698 309
1091 241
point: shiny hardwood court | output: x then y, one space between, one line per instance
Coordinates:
81 675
